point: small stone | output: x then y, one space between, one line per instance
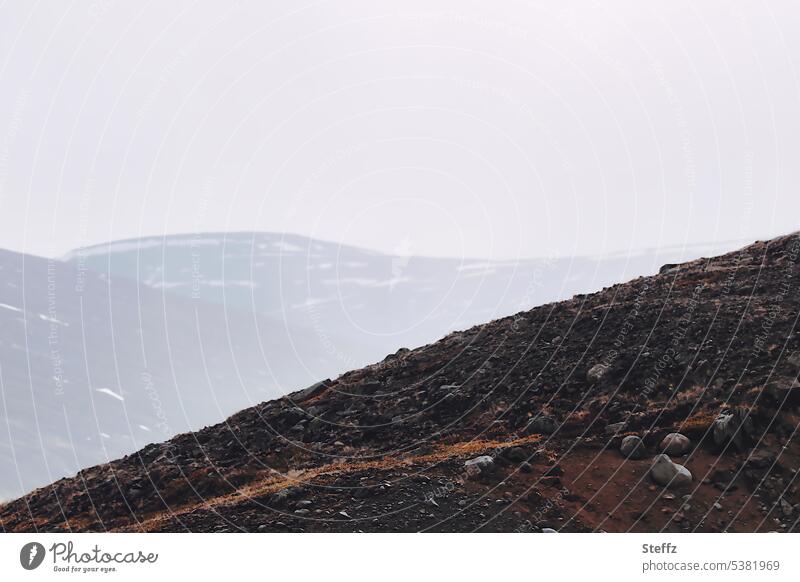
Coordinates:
723 479
675 444
542 424
548 530
516 454
761 460
554 471
363 492
134 493
632 447
550 481
478 465
734 426
596 373
278 500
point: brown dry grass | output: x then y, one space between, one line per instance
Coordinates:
274 483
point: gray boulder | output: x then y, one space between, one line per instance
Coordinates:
632 447
732 426
675 444
616 427
669 474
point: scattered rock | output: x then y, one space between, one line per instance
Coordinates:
785 392
675 444
279 499
760 460
482 464
310 392
632 447
669 474
723 479
542 424
515 454
554 471
595 373
548 530
134 493
669 268
363 492
732 426
550 481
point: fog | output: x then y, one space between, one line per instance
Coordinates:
486 130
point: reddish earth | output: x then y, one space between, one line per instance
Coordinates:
709 349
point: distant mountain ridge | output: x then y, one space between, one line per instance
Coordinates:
349 291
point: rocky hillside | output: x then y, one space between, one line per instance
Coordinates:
669 403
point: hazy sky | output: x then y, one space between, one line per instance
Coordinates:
489 129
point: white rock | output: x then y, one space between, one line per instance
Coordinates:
483 460
596 373
669 474
675 444
479 464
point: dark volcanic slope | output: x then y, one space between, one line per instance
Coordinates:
708 349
